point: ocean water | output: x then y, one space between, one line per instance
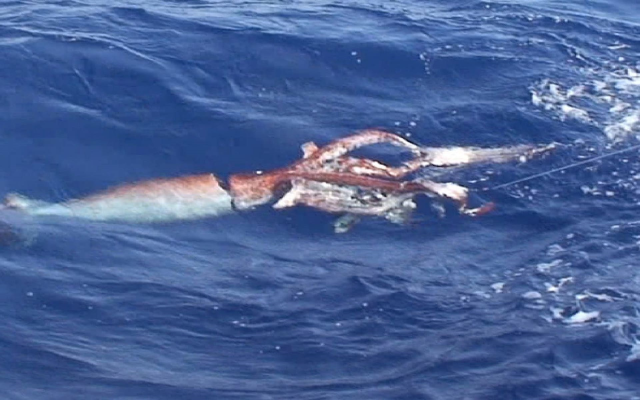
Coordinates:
538 300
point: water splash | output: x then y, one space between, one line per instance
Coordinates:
608 98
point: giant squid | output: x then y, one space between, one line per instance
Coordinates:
327 178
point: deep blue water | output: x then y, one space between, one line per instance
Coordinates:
272 304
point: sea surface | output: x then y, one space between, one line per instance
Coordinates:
538 300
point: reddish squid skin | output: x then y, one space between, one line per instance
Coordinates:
157 200
198 196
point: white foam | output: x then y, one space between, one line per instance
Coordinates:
555 249
619 46
582 316
556 313
626 126
498 287
635 352
546 267
608 98
532 295
556 288
622 332
599 297
575 113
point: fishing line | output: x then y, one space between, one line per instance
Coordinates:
576 164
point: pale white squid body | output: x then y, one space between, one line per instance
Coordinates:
161 200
